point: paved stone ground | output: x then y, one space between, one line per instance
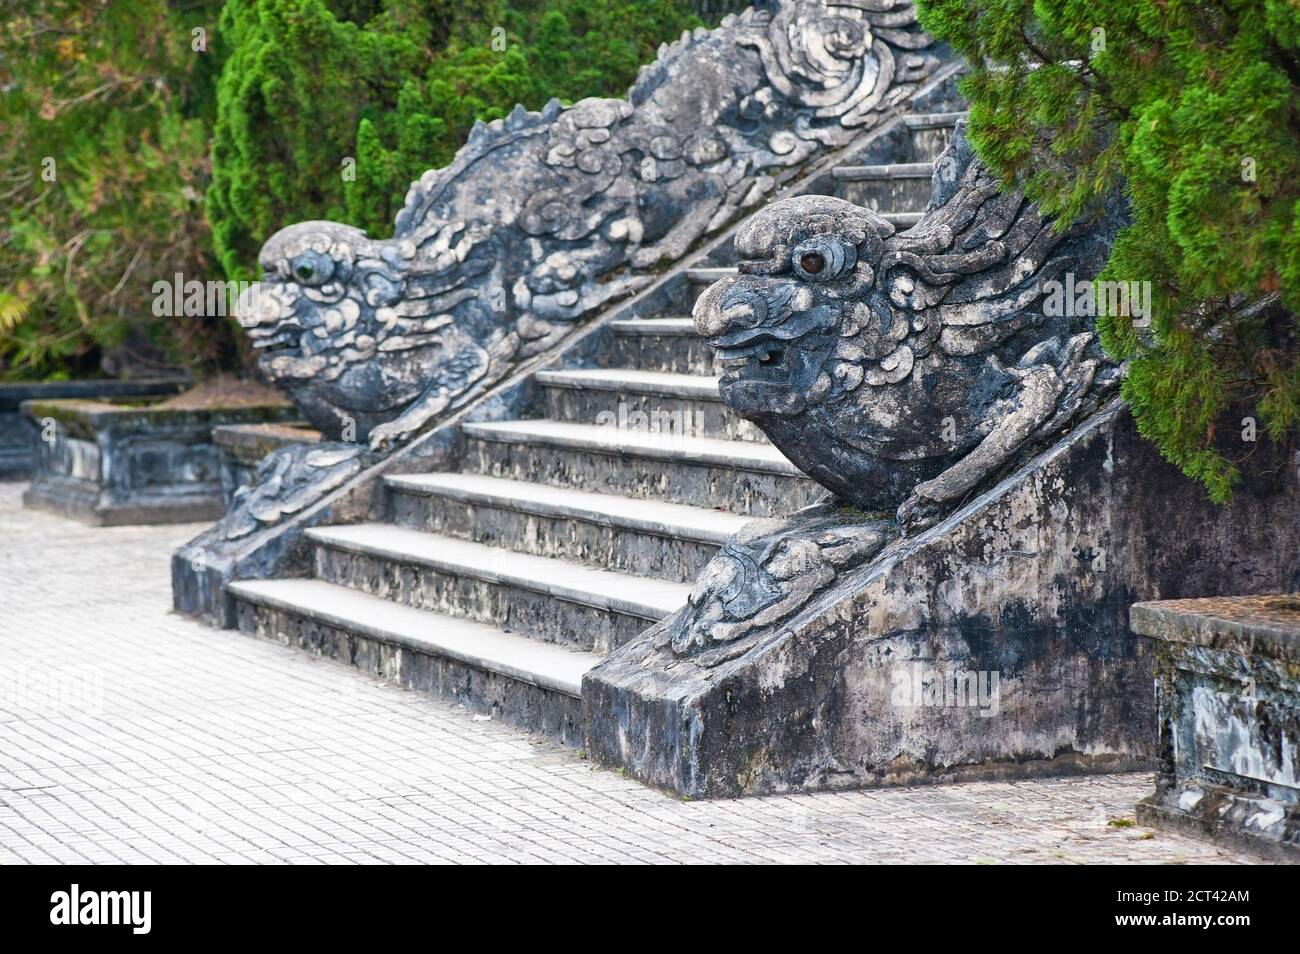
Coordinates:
128 734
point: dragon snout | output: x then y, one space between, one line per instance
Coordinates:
268 317
258 306
740 316
727 305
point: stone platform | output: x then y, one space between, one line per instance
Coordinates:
16 438
1228 677
127 461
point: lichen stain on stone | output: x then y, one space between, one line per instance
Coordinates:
781 664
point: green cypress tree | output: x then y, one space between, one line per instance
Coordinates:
395 85
105 111
1193 108
289 101
370 196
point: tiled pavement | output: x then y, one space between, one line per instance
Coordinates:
128 734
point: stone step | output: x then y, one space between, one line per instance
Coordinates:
523 682
738 476
934 120
547 599
707 276
897 187
890 171
634 381
661 344
902 220
655 327
930 133
656 401
647 537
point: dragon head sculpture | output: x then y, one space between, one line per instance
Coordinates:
544 217
899 370
355 329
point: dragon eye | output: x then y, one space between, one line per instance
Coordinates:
812 263
823 258
311 267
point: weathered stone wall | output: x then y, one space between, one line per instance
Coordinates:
1030 582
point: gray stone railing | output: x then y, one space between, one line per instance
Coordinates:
543 218
541 221
957 610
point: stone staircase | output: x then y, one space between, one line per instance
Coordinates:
561 537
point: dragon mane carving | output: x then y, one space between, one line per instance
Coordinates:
544 217
901 371
763 576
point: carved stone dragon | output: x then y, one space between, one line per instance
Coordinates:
544 217
901 371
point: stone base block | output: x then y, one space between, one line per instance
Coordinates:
17 437
1262 826
1228 694
507 700
112 463
994 644
87 504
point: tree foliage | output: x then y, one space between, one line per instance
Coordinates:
104 118
331 110
1193 108
169 159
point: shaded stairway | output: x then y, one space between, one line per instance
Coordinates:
561 537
